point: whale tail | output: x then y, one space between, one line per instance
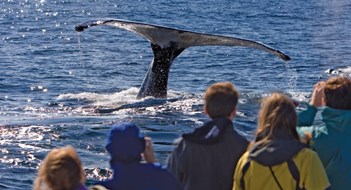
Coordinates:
163 36
167 44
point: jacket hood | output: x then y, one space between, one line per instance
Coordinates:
275 151
337 118
125 143
210 132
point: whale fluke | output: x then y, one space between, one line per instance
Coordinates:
168 43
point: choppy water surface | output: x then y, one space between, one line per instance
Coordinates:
58 87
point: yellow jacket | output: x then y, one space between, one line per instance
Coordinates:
259 177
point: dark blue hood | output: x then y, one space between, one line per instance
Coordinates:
125 143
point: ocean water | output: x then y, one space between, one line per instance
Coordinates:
56 84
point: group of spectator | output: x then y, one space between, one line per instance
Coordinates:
288 151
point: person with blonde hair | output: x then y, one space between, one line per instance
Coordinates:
330 138
61 170
206 158
276 159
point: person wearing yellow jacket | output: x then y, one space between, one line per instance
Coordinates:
277 159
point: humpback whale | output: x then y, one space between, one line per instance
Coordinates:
167 44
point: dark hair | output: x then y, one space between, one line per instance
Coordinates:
221 99
337 93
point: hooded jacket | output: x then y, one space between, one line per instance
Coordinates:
280 164
331 139
206 158
125 145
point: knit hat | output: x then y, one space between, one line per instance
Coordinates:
125 143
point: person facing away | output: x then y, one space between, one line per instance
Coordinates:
206 158
126 147
61 170
331 138
276 159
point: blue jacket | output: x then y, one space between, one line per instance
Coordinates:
331 139
139 176
125 144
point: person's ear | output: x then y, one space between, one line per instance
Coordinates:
205 110
233 113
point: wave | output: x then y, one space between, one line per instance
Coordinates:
99 99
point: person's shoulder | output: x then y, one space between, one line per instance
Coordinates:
307 151
305 154
238 136
154 168
159 171
245 156
178 141
183 144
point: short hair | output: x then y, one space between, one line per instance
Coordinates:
221 99
337 93
61 170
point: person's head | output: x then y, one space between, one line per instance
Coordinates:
221 99
337 93
125 143
277 118
61 170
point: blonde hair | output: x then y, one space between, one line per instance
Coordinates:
221 99
277 115
61 170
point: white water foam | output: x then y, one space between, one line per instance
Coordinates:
341 71
98 99
22 134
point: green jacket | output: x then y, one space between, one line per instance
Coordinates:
331 139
